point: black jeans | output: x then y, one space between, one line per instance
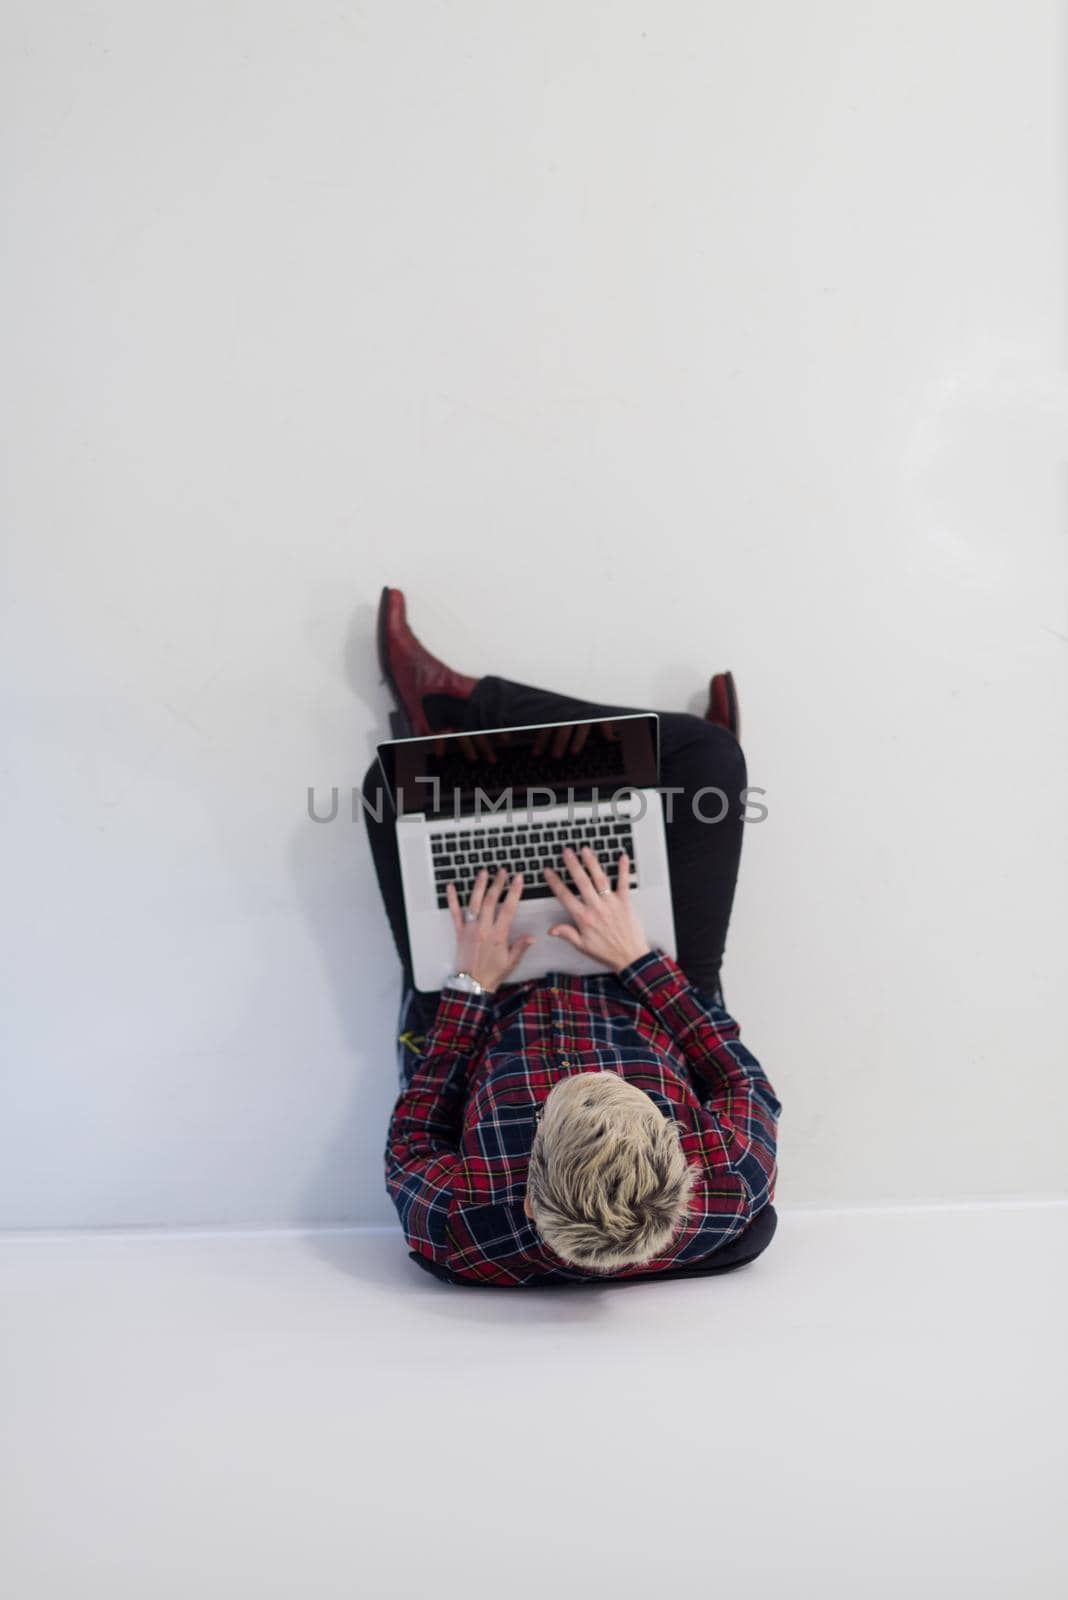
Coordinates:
703 855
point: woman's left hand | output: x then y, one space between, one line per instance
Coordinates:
605 924
482 944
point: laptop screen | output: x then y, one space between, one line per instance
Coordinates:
521 769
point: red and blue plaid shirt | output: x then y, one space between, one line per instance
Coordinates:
461 1133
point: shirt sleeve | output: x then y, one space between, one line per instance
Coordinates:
422 1147
739 1108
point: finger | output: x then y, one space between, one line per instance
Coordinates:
493 894
582 733
475 902
453 900
565 897
560 739
511 902
439 748
623 875
518 951
564 930
580 876
541 739
611 732
593 866
484 744
467 747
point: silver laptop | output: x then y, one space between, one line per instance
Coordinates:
513 798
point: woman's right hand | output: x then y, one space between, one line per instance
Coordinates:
484 931
604 923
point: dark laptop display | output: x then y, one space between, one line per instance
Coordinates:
458 774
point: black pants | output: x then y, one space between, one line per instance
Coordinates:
703 855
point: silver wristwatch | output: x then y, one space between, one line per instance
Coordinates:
464 981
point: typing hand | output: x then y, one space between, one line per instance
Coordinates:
604 923
482 944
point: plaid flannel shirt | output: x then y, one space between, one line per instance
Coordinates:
460 1135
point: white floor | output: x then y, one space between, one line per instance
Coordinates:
875 1408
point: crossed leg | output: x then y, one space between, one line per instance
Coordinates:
703 853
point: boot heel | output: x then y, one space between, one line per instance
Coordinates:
723 703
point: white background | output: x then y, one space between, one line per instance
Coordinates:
633 341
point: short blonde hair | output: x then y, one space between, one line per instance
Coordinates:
608 1183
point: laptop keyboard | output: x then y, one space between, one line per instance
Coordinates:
529 848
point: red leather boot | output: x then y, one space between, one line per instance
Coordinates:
723 703
411 671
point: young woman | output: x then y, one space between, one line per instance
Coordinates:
577 1128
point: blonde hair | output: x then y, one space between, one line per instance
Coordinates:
608 1183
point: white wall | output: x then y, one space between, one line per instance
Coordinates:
633 341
